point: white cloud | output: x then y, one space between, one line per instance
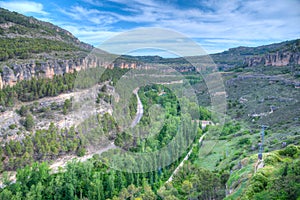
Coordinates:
216 25
220 19
89 34
93 2
24 7
91 15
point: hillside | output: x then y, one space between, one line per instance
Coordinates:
278 179
22 37
57 104
278 54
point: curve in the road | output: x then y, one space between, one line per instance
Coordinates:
140 110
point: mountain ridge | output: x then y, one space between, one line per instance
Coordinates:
29 46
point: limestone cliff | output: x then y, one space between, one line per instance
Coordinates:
273 59
18 72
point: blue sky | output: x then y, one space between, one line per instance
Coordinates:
216 25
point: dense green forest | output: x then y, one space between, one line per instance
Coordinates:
94 180
22 48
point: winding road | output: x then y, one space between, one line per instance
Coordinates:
140 110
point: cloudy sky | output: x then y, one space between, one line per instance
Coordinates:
216 25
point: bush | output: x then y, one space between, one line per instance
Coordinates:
244 141
29 122
81 152
12 126
272 159
290 150
23 111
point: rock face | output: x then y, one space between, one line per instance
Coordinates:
273 59
18 72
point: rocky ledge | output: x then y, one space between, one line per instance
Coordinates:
273 59
16 72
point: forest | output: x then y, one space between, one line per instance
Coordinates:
93 179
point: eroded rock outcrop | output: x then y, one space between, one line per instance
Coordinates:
17 72
273 59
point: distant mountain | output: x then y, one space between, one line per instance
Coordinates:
278 54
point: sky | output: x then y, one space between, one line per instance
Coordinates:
215 25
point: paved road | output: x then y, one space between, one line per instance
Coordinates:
140 110
185 158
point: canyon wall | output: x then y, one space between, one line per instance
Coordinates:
17 72
273 59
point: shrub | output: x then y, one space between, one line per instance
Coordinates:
23 111
81 152
12 126
244 141
290 150
29 122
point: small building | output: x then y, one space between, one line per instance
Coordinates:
205 123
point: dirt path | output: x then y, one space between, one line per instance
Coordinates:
62 162
185 158
258 165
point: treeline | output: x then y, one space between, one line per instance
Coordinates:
22 47
90 180
30 90
93 180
